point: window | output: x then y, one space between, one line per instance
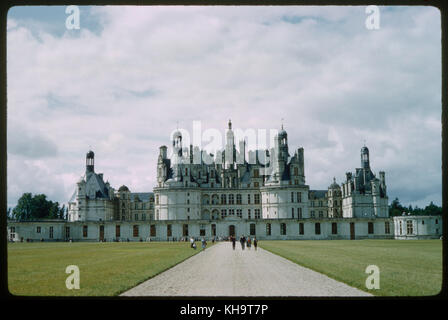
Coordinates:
321 214
168 230
136 216
231 199
256 173
257 213
51 232
257 198
256 184
188 201
312 214
152 230
268 229
238 199
437 221
423 221
67 232
117 231
296 171
231 212
157 199
37 229
248 214
223 213
223 199
143 216
135 231
84 231
292 196
317 228
292 212
252 229
334 228
283 229
248 198
409 227
239 213
387 227
301 228
299 197
370 227
202 232
320 203
401 227
214 230
299 213
185 230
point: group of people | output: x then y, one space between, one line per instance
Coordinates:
203 243
245 242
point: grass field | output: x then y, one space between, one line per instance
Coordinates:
106 269
407 267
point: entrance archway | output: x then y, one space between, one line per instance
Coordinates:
231 230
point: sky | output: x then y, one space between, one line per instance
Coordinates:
129 76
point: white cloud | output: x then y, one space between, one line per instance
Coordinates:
122 90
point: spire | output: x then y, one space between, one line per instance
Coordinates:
230 124
282 123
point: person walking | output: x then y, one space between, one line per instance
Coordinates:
232 238
204 244
248 243
255 243
191 242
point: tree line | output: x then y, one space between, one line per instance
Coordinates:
36 207
397 209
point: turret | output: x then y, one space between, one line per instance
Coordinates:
90 162
365 163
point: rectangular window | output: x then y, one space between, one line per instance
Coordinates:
292 196
334 228
301 228
238 199
223 199
231 212
283 229
268 229
152 231
214 230
135 231
401 228
239 213
117 231
67 232
252 229
185 230
248 199
370 227
409 227
84 231
312 214
321 214
202 232
257 213
299 197
231 200
317 228
257 198
136 216
157 199
51 232
37 229
256 184
248 214
299 213
256 173
387 227
168 230
292 212
223 213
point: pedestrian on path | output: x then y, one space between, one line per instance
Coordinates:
204 244
232 238
248 243
191 242
255 243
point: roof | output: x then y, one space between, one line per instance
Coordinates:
123 188
317 193
143 196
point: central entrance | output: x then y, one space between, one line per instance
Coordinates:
232 230
352 231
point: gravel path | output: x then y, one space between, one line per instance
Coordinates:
221 271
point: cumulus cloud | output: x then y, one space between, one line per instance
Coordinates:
121 87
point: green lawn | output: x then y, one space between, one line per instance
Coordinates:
106 269
407 267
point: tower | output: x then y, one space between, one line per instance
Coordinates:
365 163
230 147
90 162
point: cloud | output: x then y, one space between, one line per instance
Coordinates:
121 87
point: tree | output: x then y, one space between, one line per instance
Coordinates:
37 207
